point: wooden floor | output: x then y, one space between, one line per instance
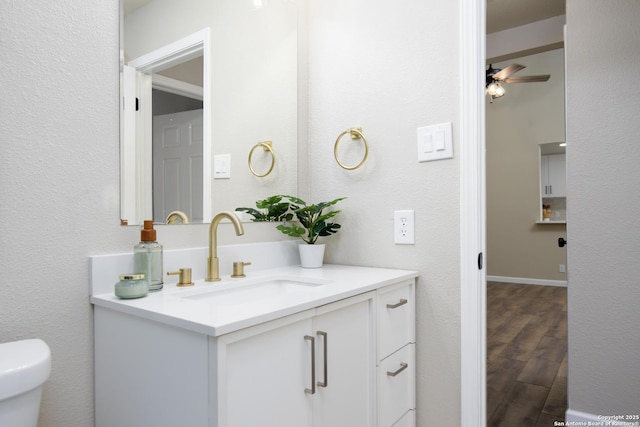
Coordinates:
526 355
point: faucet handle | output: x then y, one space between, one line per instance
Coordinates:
185 276
238 269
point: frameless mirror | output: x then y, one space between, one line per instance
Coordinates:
209 105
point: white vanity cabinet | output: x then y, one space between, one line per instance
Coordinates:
338 361
310 369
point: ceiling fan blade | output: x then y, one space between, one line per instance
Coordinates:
506 72
527 79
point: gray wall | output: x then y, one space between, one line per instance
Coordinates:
603 152
169 103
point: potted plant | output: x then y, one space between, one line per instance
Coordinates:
273 209
313 223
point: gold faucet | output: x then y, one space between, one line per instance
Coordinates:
177 215
213 267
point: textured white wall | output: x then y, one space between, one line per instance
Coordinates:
528 115
388 67
392 67
603 105
60 186
59 194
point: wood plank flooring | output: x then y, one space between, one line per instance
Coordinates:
526 355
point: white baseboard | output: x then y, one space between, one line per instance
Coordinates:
527 281
580 418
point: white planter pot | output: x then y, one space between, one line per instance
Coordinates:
311 256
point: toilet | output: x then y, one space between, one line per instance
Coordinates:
24 366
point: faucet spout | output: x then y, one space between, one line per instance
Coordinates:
213 266
177 216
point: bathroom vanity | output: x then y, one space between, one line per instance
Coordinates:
286 346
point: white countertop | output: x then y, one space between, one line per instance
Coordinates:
170 306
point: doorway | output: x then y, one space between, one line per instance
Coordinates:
526 311
473 214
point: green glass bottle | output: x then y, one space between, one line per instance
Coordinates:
147 257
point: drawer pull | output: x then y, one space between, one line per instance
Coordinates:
398 304
312 390
324 365
403 366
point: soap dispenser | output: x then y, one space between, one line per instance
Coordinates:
147 257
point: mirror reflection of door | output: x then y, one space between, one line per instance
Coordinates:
177 147
177 164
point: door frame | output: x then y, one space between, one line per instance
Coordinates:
473 335
182 50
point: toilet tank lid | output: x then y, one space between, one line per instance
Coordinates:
24 365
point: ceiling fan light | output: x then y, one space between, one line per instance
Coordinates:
495 90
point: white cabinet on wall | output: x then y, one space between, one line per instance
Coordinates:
553 175
344 363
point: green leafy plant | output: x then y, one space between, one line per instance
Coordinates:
312 219
273 209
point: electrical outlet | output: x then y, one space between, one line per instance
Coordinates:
562 268
403 227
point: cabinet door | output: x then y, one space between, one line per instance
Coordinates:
344 363
557 175
544 176
264 371
553 175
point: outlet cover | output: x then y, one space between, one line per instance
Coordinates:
404 227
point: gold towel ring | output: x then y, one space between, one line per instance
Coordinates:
266 146
355 133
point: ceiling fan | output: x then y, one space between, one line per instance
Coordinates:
496 75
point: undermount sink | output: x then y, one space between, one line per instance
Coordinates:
260 291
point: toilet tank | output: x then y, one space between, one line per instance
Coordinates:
24 366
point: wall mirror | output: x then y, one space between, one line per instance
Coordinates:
202 83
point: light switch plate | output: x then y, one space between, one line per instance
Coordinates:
435 142
222 166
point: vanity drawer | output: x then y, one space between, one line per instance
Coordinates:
395 317
396 394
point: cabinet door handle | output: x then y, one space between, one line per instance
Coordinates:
324 365
398 304
402 367
312 390
550 189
